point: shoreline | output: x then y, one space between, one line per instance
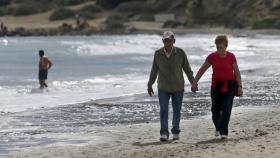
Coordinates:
254 132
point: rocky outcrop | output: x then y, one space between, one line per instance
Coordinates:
233 13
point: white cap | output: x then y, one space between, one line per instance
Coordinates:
168 34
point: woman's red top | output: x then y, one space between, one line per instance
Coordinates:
222 69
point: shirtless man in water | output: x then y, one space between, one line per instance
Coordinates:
44 65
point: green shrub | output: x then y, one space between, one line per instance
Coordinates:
277 24
8 10
24 10
62 13
4 2
87 15
91 8
65 28
25 7
110 4
70 2
115 23
29 8
114 26
89 11
161 5
266 24
31 1
51 2
135 7
116 17
275 8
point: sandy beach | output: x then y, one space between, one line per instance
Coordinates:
95 115
254 133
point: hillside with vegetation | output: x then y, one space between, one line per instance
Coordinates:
59 17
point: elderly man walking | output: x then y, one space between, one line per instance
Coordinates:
168 65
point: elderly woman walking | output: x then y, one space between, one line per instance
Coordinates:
226 83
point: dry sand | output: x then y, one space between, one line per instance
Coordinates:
254 133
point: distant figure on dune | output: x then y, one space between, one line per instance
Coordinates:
44 65
226 83
168 65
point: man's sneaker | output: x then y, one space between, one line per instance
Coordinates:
176 137
163 138
224 136
217 133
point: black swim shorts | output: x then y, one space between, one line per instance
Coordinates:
43 74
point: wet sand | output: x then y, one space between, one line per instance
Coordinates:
254 132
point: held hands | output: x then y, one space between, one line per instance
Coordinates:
194 87
239 92
150 91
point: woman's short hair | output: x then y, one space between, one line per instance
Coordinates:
222 39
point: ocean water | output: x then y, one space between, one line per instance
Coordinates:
97 67
101 80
